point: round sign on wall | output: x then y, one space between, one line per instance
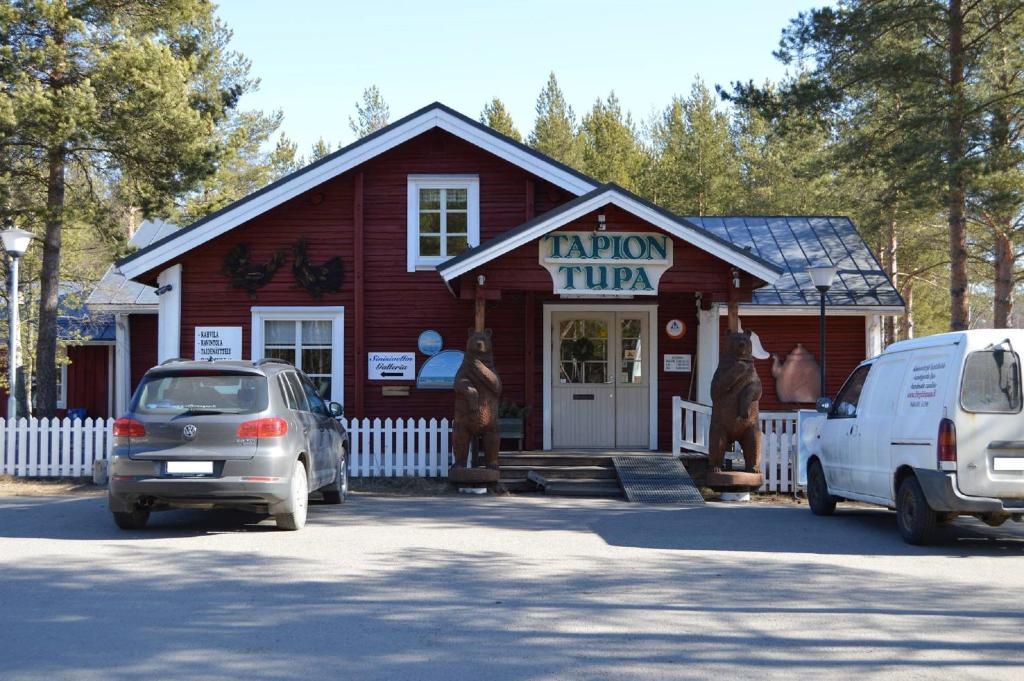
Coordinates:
675 328
429 342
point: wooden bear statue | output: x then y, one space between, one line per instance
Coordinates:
735 391
477 390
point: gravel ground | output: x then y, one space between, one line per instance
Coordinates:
510 587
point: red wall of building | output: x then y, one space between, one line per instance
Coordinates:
779 335
88 379
142 337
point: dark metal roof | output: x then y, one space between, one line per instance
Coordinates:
685 223
344 150
796 242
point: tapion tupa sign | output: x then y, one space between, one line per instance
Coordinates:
606 263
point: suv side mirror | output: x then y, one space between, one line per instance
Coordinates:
823 405
337 411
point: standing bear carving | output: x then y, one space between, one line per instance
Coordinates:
735 391
477 391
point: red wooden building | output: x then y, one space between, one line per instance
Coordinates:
603 306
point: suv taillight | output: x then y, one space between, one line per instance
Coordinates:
126 427
274 426
947 441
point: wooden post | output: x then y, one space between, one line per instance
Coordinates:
734 304
529 372
359 373
480 308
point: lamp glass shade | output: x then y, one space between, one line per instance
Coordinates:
16 241
822 275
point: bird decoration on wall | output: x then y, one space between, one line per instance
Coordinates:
247 275
317 279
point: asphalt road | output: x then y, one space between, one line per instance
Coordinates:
504 588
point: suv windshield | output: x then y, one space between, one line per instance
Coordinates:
991 382
200 392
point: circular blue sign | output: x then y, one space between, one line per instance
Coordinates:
429 342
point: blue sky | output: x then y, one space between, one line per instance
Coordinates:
314 57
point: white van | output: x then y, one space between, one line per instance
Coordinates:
932 427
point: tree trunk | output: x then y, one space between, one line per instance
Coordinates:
907 332
891 266
957 149
1002 303
49 287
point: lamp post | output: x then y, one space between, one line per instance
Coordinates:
822 276
15 242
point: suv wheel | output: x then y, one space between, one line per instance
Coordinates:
818 498
336 493
296 519
131 520
915 518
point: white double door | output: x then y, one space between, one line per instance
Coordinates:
600 390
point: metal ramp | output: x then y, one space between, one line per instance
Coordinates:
652 479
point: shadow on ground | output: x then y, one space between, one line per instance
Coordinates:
154 604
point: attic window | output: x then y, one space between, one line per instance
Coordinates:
444 218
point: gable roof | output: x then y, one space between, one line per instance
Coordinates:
604 195
435 115
795 242
115 292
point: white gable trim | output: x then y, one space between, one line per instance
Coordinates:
358 154
611 196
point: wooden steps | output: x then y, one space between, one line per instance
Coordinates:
580 474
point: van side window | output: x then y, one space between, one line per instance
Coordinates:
316 403
845 406
286 392
991 382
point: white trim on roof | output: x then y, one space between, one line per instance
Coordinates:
631 205
358 154
812 309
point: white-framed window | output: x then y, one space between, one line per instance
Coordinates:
444 218
62 386
311 338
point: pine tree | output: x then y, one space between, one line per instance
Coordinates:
696 168
372 114
609 148
497 117
319 149
95 95
554 129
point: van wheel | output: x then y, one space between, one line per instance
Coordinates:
818 498
296 519
131 520
915 518
336 493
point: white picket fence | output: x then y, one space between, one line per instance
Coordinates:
388 448
380 448
32 447
692 420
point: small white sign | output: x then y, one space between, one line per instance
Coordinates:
218 342
391 366
675 328
679 364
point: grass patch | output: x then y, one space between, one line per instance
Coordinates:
402 487
36 487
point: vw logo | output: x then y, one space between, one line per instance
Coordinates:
189 432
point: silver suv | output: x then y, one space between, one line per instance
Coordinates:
249 435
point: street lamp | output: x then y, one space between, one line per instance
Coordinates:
16 242
822 276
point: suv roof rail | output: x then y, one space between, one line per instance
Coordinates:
271 360
172 360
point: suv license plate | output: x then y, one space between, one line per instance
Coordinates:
190 467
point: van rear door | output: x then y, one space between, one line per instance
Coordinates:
990 430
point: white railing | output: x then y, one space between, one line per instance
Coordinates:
56 447
389 448
32 447
692 420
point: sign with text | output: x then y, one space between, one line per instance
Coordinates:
679 364
606 263
218 342
391 366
